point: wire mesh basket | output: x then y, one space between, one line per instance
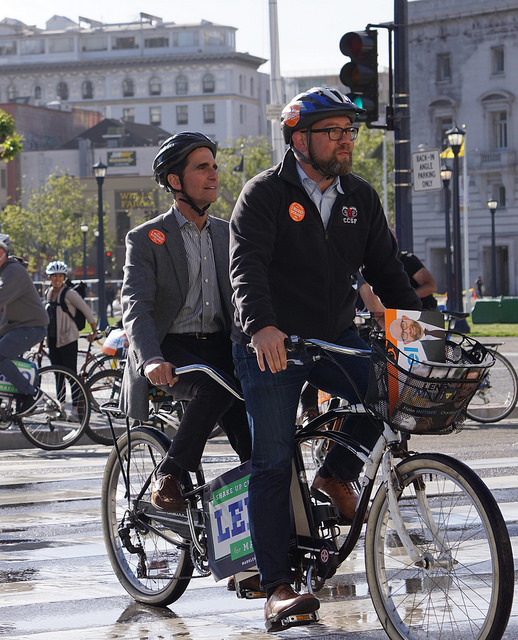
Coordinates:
426 397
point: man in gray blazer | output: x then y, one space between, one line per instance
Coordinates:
177 310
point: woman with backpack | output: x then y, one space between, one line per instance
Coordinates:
64 306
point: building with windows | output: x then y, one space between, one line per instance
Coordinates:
151 72
463 70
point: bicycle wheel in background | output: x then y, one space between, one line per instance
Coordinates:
151 568
59 417
462 585
497 396
103 389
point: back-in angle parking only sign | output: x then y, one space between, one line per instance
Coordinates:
426 167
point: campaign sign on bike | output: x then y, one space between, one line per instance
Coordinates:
229 539
27 369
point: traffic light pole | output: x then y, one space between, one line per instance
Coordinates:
402 155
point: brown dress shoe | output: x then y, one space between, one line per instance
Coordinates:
341 494
166 493
286 608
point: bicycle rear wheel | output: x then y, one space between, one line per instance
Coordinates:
103 390
498 394
58 419
151 567
465 588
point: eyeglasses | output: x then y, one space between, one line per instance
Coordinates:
404 330
337 133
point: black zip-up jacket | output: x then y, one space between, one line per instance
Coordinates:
288 271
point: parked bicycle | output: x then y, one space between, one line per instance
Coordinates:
61 413
438 556
497 396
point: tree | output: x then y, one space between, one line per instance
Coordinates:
48 228
253 155
10 141
368 164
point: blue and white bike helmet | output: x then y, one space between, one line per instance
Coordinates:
56 267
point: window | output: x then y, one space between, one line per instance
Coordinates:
240 83
12 93
61 45
62 90
128 114
499 122
155 87
128 88
242 114
497 60
209 114
182 114
252 86
37 93
94 43
500 195
443 67
155 116
214 37
87 90
154 43
208 83
29 46
8 48
126 42
182 85
185 38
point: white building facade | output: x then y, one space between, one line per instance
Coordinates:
463 70
175 76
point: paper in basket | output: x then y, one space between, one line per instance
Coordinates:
230 545
419 337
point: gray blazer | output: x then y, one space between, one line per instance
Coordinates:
154 289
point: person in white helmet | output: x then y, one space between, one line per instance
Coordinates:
63 335
23 321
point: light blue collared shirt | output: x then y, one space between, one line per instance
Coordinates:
323 201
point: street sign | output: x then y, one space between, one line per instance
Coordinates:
426 167
273 111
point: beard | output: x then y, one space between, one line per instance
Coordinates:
335 167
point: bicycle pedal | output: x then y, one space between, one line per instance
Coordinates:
294 620
248 594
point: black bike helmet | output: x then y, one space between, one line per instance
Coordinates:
174 151
313 105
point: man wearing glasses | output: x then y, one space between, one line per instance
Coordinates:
299 233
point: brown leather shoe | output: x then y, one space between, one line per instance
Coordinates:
166 493
252 584
286 608
341 494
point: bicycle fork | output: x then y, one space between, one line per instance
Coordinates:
393 486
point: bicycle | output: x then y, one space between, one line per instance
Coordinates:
48 424
438 556
498 394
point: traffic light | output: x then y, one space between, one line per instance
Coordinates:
361 74
109 257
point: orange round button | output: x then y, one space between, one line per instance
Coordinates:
156 236
297 211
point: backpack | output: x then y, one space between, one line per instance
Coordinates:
81 289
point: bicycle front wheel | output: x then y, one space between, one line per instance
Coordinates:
462 584
152 563
497 395
58 419
103 390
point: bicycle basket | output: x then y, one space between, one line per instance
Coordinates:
426 397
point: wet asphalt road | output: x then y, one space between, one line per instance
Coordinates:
56 582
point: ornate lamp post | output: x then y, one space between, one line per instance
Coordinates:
446 177
99 170
84 229
492 205
455 137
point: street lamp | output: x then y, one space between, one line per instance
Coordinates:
455 137
99 170
84 229
492 205
446 177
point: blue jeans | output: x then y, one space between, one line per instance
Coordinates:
271 403
13 344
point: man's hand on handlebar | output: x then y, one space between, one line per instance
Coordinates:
268 344
160 372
